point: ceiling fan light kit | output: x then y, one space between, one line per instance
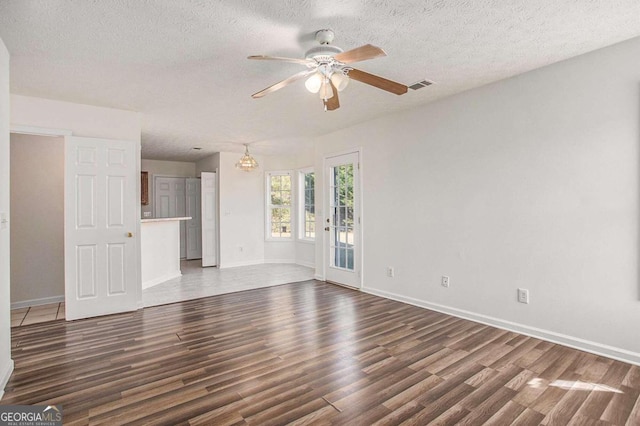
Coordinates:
328 71
247 163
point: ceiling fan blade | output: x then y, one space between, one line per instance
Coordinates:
379 82
361 53
279 85
333 102
277 58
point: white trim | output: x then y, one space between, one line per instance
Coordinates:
166 277
6 371
243 263
550 336
318 277
311 265
37 302
288 261
38 131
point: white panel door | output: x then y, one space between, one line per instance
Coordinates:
170 201
209 218
342 220
194 225
100 221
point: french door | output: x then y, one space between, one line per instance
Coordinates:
342 219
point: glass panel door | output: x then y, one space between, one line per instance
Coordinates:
341 223
342 219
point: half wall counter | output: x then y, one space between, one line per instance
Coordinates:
160 248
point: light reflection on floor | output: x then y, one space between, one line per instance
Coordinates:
574 385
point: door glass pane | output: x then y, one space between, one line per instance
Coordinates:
342 222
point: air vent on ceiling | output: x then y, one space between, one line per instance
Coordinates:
420 84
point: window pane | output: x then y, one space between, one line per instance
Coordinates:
286 182
279 206
276 183
307 209
285 197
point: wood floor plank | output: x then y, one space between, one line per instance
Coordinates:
310 353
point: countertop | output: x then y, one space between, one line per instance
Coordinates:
164 219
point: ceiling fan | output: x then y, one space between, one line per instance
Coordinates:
329 70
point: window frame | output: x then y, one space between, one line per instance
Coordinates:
301 222
269 206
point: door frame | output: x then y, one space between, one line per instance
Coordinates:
359 265
54 133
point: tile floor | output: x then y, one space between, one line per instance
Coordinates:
197 282
37 314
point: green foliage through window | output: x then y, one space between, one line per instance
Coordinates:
279 207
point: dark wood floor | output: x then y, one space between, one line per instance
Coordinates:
311 353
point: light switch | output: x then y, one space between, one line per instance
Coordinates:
3 220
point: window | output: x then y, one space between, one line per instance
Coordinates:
278 205
307 216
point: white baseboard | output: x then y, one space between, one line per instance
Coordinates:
561 339
37 302
320 278
243 263
169 276
5 375
311 265
288 261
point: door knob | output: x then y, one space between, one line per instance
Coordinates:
129 234
326 229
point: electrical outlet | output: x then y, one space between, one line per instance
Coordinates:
390 271
523 295
445 281
241 248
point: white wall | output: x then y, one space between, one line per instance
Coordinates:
84 120
241 208
6 363
208 164
37 219
164 168
531 182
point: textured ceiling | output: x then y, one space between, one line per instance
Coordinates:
183 64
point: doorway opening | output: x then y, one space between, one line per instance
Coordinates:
37 231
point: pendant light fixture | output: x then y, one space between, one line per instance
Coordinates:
247 163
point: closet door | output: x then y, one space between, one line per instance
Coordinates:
194 225
170 201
